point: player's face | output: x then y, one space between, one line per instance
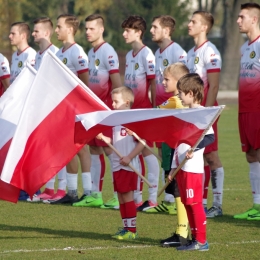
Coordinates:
195 25
15 36
245 21
186 99
158 33
39 32
94 31
169 83
62 29
118 102
131 35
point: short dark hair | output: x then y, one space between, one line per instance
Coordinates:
192 82
207 17
93 17
250 6
166 21
135 22
46 21
70 20
23 28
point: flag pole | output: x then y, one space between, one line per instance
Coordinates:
191 150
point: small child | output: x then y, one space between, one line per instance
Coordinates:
190 176
125 180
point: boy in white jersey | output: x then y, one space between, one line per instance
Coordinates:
125 179
19 36
140 76
74 57
42 32
249 101
4 74
103 77
190 176
205 60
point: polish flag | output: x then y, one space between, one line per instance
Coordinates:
11 105
43 142
172 126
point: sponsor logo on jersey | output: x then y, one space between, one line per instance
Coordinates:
4 69
165 62
20 64
111 63
214 62
123 132
212 55
181 57
82 62
196 61
65 60
151 66
110 57
150 61
79 57
252 54
136 66
97 62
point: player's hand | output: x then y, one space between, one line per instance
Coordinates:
125 160
170 175
189 154
99 136
129 132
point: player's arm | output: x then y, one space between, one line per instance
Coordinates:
213 81
84 77
6 83
116 80
106 139
153 91
125 160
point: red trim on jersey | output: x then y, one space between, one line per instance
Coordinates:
68 47
113 71
249 43
45 49
200 45
5 76
82 71
166 47
150 76
23 50
137 52
213 70
98 46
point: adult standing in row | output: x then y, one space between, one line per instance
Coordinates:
4 74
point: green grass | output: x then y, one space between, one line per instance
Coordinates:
39 231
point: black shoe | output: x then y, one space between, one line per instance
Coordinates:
144 206
174 241
67 199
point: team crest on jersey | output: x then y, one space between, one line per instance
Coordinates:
165 62
97 62
20 64
136 66
65 60
252 54
123 132
196 61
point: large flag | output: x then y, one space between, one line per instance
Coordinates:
44 139
11 105
162 125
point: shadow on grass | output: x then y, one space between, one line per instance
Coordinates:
72 234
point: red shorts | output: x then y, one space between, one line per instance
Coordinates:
100 143
214 146
158 144
125 181
249 129
190 186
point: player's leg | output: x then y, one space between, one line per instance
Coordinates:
206 184
138 193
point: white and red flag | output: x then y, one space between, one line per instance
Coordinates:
11 105
171 126
43 142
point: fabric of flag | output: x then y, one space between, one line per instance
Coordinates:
11 105
43 142
172 126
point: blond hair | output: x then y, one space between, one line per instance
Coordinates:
126 92
176 70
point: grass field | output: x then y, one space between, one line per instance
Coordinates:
39 231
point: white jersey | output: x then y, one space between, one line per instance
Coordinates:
140 68
19 61
249 77
40 55
74 58
125 144
4 71
163 58
203 60
102 62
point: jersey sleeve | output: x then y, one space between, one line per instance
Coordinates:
149 64
212 60
111 61
31 57
80 60
5 68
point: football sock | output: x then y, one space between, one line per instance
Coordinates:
191 220
254 176
167 196
130 216
97 172
138 192
72 183
217 180
50 184
86 182
182 219
206 184
62 180
153 176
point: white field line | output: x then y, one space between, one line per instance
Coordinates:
113 247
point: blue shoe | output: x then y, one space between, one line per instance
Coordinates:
214 212
23 196
194 245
